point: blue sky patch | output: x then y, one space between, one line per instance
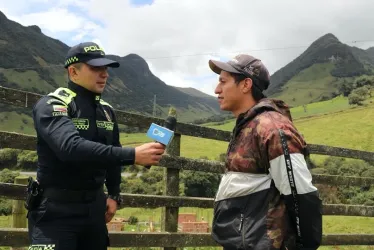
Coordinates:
36 8
141 2
81 12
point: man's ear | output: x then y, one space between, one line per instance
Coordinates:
247 85
72 71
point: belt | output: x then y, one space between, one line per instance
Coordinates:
68 195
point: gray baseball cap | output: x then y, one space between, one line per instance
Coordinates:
246 65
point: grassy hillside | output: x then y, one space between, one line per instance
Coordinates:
309 85
318 73
16 122
313 84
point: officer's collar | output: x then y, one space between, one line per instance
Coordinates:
84 92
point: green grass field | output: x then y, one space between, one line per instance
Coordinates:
15 122
28 80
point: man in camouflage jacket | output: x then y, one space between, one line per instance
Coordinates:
261 204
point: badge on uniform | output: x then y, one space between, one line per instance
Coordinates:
42 247
107 116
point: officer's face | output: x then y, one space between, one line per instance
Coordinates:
92 78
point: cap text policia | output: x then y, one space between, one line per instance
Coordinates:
89 53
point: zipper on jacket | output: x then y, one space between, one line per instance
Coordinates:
241 229
241 222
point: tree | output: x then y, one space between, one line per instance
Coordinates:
359 95
345 89
355 99
133 220
200 184
362 91
8 176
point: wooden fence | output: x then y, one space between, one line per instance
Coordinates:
171 201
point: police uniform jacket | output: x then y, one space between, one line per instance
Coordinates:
78 141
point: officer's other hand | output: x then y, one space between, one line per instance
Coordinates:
111 208
149 153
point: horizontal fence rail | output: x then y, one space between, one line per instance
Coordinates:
28 99
28 142
17 192
19 238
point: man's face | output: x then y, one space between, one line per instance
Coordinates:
229 93
92 78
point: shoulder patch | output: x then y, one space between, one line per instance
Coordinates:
55 101
63 94
60 108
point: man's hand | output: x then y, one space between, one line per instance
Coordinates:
111 208
149 153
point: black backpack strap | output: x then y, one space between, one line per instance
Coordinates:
291 180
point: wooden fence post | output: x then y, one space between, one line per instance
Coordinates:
18 209
170 214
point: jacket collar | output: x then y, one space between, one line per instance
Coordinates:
83 92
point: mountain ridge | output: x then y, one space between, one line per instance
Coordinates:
327 64
32 61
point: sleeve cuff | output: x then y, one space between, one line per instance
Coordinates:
126 156
113 190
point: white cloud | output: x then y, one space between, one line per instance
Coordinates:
60 20
167 33
52 17
203 81
179 37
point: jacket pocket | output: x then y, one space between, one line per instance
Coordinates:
227 228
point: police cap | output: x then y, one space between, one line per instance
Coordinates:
89 53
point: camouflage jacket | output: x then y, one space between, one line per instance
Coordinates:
254 207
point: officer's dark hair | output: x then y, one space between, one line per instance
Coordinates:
75 65
256 94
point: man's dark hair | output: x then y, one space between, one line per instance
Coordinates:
257 95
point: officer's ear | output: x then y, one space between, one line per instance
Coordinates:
73 70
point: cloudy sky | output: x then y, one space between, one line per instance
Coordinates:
177 38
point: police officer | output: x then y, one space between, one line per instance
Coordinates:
79 152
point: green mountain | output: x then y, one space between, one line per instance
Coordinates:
195 92
32 61
327 68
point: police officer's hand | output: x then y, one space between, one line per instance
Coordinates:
149 153
111 208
